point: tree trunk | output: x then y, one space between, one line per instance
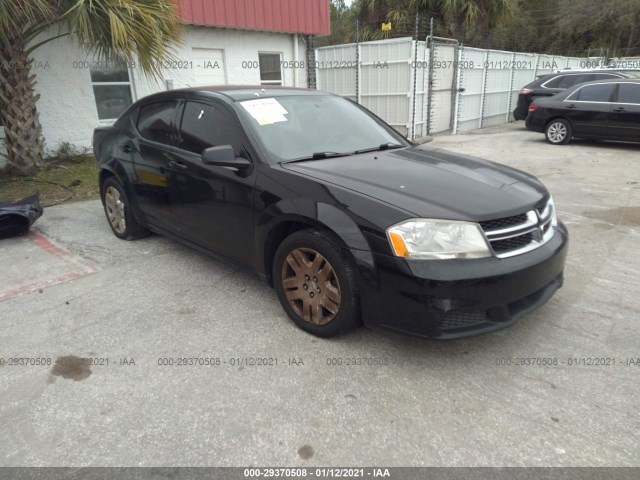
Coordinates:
24 141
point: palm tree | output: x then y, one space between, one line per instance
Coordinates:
456 15
463 14
143 31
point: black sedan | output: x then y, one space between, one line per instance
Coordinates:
348 220
553 83
605 110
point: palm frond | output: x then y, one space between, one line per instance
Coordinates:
19 16
142 31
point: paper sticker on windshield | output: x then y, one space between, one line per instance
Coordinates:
265 110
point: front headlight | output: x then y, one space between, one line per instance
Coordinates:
423 238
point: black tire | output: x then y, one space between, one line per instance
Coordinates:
342 278
558 132
130 229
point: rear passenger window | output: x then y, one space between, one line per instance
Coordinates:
154 121
595 93
554 82
567 81
629 93
600 76
572 80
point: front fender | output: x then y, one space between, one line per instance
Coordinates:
315 214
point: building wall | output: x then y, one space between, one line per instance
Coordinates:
67 104
240 50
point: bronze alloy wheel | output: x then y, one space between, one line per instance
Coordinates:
115 209
311 286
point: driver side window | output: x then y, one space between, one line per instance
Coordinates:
205 126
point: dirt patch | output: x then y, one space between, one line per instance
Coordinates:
72 368
305 452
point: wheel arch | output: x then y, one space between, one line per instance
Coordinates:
102 176
328 218
114 168
557 117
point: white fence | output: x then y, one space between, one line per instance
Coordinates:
423 88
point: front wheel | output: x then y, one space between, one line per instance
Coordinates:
558 132
315 281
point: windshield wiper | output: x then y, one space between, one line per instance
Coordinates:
318 156
384 146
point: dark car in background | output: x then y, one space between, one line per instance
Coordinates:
551 84
348 220
606 110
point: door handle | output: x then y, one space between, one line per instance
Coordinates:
126 148
619 110
177 164
571 107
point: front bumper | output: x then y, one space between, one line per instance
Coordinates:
450 299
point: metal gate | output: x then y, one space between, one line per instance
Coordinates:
443 86
424 88
385 83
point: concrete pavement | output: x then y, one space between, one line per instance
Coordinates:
255 390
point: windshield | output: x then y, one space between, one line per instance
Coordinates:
299 126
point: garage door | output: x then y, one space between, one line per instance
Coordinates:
209 68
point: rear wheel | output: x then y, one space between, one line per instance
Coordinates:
558 132
118 211
316 283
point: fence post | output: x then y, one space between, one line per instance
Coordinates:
511 78
415 82
458 90
455 87
430 75
358 62
312 64
484 87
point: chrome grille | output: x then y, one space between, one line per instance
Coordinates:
503 222
510 236
513 243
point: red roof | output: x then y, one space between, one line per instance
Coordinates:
292 16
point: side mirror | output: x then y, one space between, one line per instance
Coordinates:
224 156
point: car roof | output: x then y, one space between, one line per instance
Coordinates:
547 76
234 93
611 80
595 70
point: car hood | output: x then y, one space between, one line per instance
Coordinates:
430 182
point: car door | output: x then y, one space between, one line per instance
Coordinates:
624 117
588 109
213 205
155 131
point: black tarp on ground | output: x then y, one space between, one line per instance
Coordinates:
16 218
